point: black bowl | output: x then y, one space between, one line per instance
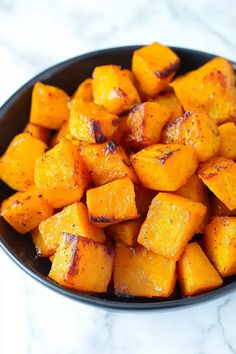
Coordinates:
13 117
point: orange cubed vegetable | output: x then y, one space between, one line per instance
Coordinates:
84 91
143 198
171 222
145 123
139 272
228 140
165 167
169 100
25 210
121 130
91 123
212 87
219 209
18 161
107 162
82 264
196 191
154 66
41 248
61 175
130 75
73 219
196 274
112 203
62 134
219 175
38 132
198 130
113 89
219 242
126 231
49 107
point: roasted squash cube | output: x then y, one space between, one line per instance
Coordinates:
198 130
42 249
61 175
169 100
165 167
18 161
112 203
228 140
154 66
107 162
196 191
126 231
25 210
219 242
62 134
73 219
220 209
113 89
171 222
196 274
219 175
130 75
38 132
145 123
139 272
82 264
84 91
143 198
121 130
212 87
91 123
49 107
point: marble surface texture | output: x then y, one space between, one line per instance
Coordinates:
35 35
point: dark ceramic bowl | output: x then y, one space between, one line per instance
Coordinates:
13 117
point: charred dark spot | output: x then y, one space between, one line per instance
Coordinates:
110 147
28 198
110 250
15 202
208 175
100 219
166 156
125 163
220 167
39 212
115 122
40 196
96 131
74 266
179 120
119 92
135 108
173 66
69 237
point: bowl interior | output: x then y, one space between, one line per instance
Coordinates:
13 117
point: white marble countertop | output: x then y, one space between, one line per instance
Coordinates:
35 35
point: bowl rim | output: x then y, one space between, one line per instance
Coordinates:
86 298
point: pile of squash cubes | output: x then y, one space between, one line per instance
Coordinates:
114 182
